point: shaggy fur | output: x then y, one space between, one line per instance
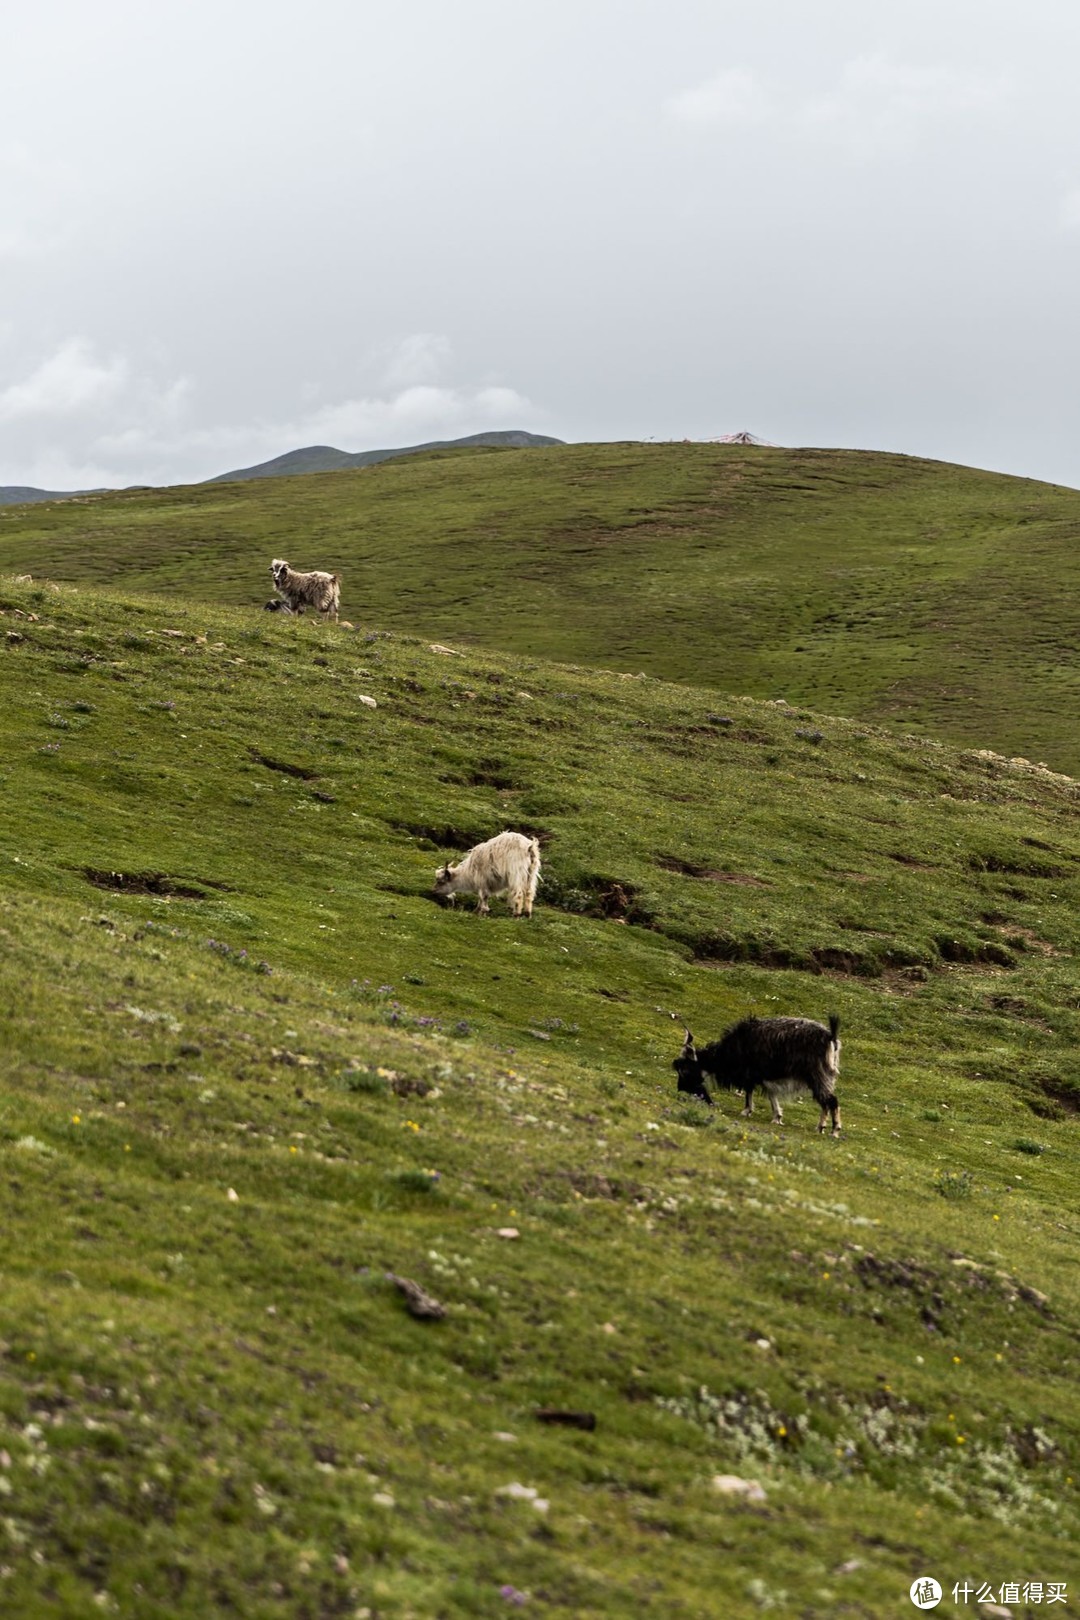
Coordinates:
507 864
299 591
779 1056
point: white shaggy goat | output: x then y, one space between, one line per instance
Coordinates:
299 591
507 864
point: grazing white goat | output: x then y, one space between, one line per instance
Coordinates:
507 864
298 591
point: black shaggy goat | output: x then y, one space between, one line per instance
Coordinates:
779 1056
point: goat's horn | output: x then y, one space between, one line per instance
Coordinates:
688 1044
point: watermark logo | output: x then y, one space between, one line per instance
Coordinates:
926 1593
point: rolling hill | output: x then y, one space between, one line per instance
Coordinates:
324 458
253 1072
27 495
933 598
314 458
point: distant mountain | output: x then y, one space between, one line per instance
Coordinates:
324 458
22 494
316 458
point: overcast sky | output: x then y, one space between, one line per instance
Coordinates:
229 228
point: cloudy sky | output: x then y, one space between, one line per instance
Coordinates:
229 228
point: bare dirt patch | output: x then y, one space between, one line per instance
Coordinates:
708 874
304 772
912 862
150 883
1031 940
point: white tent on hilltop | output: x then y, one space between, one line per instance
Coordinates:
742 438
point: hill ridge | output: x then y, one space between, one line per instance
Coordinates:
895 589
325 458
312 458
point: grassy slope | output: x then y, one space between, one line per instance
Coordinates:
924 595
206 1402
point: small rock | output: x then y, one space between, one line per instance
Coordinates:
294 1060
731 1485
384 1499
418 1302
361 697
437 647
508 1232
850 1567
233 1196
995 1611
518 1492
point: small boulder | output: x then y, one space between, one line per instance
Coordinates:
748 1490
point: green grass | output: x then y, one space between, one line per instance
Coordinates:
222 973
925 596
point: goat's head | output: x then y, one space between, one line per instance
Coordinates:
688 1068
444 882
279 568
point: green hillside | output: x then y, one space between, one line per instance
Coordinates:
925 596
251 1068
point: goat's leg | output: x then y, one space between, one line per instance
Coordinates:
830 1108
749 1109
777 1111
482 907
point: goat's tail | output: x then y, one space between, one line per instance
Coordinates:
533 874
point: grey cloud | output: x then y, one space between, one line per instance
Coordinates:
231 230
